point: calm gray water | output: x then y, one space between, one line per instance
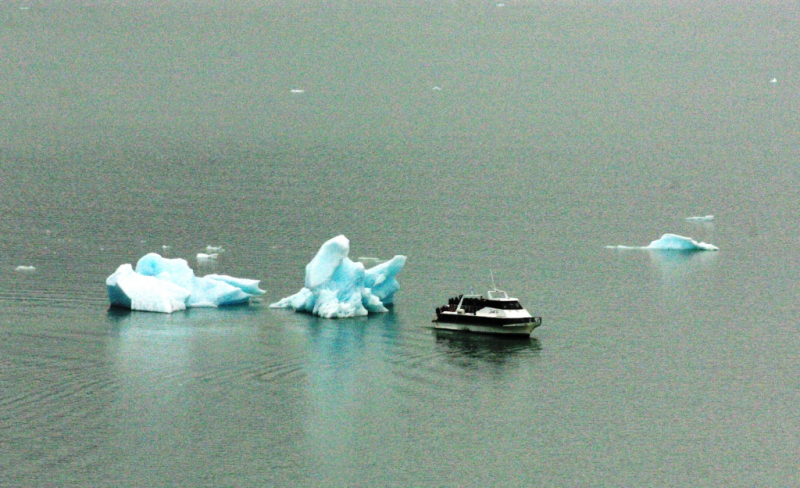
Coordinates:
558 128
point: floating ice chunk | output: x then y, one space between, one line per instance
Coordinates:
294 90
336 287
214 249
704 218
774 80
206 257
25 269
166 285
674 242
436 88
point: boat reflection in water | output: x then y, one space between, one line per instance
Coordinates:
492 349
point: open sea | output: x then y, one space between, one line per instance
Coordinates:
513 137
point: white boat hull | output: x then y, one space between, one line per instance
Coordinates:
512 329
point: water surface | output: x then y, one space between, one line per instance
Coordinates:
558 129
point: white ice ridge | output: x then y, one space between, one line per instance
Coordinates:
337 287
673 242
704 218
165 285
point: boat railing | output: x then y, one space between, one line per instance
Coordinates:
460 307
494 294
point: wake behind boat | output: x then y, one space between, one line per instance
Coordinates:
497 313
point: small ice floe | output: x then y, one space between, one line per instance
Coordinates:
165 247
296 90
214 249
501 5
369 259
672 242
436 88
774 80
203 257
25 269
704 218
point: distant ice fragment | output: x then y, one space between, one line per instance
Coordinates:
214 249
201 256
704 218
294 90
368 259
167 285
436 88
774 80
25 269
336 287
672 242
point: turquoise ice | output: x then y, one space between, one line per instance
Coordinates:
336 287
165 285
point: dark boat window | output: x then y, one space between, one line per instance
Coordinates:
479 303
503 305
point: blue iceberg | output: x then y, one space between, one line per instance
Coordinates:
336 287
166 285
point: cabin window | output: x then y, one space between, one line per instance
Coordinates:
503 305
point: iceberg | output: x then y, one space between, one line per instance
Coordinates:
166 285
336 287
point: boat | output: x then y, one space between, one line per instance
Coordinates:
497 313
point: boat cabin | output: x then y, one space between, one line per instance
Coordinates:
497 299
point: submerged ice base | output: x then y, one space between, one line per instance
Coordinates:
336 287
166 285
673 242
